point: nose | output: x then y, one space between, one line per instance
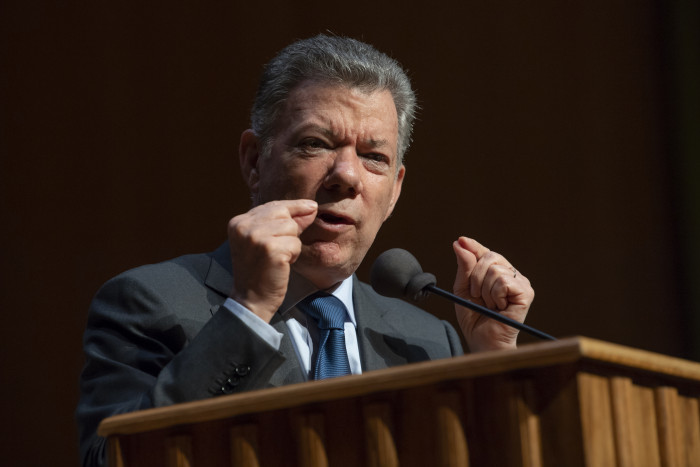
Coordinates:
344 174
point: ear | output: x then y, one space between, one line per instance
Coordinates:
396 190
249 156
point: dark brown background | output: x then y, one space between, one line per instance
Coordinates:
563 136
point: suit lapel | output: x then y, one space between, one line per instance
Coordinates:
219 276
380 344
290 371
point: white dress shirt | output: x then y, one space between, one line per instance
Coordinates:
303 331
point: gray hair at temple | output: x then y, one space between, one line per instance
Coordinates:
332 59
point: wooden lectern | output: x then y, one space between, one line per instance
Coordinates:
571 402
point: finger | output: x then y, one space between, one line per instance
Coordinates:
481 270
295 206
476 248
256 227
304 221
303 211
485 284
288 248
497 285
285 227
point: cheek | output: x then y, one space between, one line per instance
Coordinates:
379 211
292 183
303 178
383 202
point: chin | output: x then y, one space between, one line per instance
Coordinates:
325 264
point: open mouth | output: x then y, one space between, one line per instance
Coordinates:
333 219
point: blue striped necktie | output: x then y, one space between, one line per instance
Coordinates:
332 357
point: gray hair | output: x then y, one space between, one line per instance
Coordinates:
332 59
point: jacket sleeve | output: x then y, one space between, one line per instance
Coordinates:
143 351
453 339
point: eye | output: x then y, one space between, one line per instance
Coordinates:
376 157
313 143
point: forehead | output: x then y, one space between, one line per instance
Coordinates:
346 111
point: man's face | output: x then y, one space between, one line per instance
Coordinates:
337 146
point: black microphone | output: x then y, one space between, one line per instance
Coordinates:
397 273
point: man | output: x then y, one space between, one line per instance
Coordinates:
330 125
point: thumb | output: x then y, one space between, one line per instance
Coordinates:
304 213
466 261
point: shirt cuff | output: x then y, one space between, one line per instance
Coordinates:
266 332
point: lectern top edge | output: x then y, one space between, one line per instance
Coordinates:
536 355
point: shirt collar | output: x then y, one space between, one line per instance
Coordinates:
344 293
300 287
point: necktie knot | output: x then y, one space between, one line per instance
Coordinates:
327 310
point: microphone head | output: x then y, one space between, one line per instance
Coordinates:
397 273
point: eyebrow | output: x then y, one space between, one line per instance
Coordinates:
328 133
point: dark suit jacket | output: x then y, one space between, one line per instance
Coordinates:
155 336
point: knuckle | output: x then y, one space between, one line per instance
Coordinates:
235 221
501 282
235 230
241 227
491 255
267 248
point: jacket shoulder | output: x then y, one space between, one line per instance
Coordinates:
390 306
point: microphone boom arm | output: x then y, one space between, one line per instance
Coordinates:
485 311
